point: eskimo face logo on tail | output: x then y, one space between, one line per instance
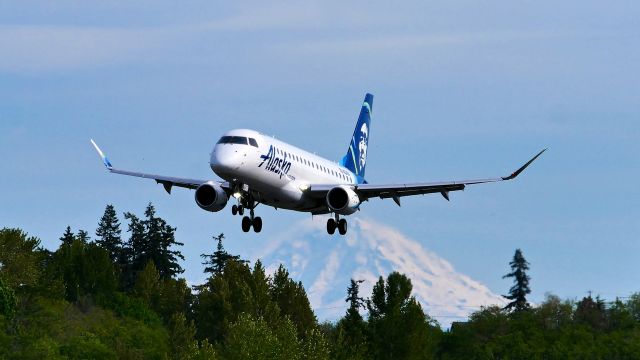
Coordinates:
362 146
275 164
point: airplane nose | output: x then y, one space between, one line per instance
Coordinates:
224 159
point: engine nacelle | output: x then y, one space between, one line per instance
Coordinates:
343 200
211 197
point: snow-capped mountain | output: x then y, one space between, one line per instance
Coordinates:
368 251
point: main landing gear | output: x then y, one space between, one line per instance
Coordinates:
248 221
340 224
251 221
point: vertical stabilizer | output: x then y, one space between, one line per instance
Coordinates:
356 157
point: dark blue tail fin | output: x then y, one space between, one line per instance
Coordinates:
356 157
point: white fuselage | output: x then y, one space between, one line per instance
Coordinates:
279 173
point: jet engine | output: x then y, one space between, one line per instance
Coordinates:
343 200
211 197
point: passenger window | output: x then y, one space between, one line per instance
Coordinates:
253 142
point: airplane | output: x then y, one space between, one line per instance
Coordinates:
258 169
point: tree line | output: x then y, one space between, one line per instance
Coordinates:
119 295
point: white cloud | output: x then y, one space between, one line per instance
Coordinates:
45 48
325 280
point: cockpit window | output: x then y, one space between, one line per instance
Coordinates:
233 140
253 142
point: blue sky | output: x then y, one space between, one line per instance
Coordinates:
463 89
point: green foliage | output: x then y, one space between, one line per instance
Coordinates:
68 304
263 306
108 234
591 313
83 236
131 307
87 346
7 300
398 328
147 285
68 236
56 329
151 239
350 336
182 337
251 338
20 258
520 289
215 263
86 269
292 300
165 297
552 330
160 240
315 346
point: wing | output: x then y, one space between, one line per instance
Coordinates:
167 181
395 191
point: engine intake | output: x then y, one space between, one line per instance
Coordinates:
211 197
343 200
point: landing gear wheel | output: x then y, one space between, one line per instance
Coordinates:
241 210
234 209
246 224
257 224
342 226
331 226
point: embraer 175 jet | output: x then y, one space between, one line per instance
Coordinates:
262 170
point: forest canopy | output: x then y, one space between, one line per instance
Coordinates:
117 293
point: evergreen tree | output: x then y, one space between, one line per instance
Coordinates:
68 236
398 327
134 252
263 306
214 263
520 289
292 300
151 239
251 338
160 238
83 236
21 258
108 234
147 285
351 342
85 269
7 300
590 312
354 299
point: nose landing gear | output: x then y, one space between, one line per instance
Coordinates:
337 223
237 210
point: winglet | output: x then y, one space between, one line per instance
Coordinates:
106 161
517 172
